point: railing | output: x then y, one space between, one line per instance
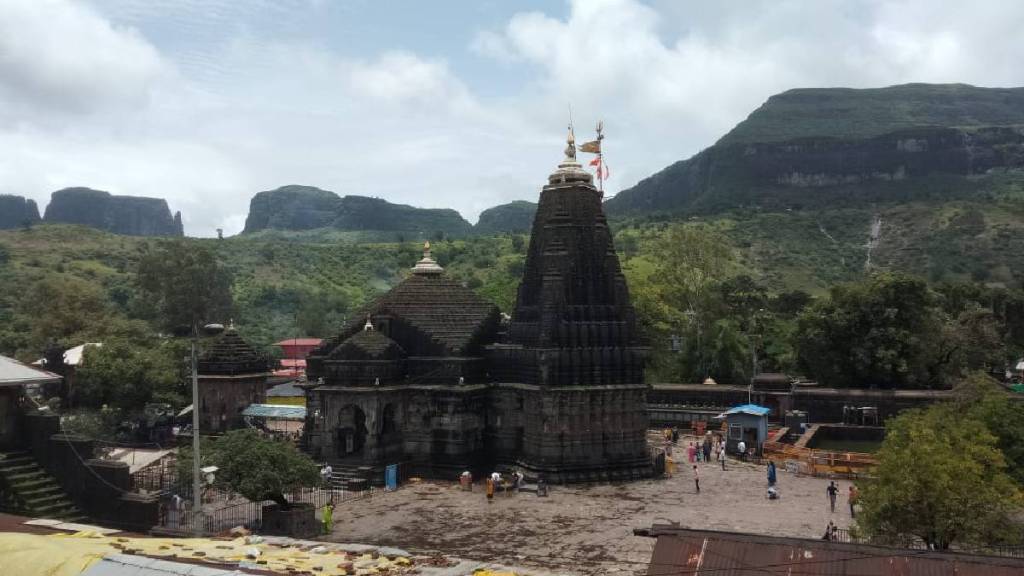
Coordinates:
819 462
911 543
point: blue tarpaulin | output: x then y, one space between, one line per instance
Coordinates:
752 409
275 411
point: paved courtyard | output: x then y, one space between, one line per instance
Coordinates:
586 529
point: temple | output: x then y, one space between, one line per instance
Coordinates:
430 376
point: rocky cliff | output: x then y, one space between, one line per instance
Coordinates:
305 208
16 211
129 215
292 208
843 147
515 217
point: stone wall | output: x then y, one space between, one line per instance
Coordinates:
100 488
821 404
223 398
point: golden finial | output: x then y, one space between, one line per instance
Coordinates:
570 147
426 249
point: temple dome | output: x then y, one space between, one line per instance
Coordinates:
230 354
368 345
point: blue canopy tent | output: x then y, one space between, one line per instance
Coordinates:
746 422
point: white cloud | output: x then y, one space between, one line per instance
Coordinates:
204 105
62 56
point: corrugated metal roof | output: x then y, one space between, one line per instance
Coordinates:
299 342
684 552
279 412
129 565
14 373
752 409
285 389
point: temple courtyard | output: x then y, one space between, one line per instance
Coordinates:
586 529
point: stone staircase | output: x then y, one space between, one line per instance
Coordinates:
355 477
33 491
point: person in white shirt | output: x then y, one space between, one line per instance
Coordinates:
742 447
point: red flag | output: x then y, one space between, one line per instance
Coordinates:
602 169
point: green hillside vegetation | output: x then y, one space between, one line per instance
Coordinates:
866 112
71 285
514 217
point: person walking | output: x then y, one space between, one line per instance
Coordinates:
691 453
742 448
490 490
771 473
696 478
833 492
707 447
852 497
721 456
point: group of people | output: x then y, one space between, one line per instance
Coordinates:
710 450
515 481
851 498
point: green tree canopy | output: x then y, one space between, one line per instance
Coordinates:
884 332
185 285
128 374
261 468
941 478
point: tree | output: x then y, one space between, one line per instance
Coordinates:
981 398
185 285
941 479
129 374
885 332
260 468
64 309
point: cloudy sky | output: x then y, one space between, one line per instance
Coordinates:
434 104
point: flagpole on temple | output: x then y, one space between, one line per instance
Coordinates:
600 157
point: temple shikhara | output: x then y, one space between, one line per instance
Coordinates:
432 376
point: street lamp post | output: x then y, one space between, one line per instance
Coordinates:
197 498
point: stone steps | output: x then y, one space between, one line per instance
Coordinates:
34 491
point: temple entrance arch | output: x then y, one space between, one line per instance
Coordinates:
351 431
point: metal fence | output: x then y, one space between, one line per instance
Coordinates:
234 512
910 543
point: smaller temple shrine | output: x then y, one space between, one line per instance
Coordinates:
232 375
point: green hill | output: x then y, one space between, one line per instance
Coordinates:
867 112
515 217
819 185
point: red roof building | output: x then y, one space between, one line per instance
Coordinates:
295 350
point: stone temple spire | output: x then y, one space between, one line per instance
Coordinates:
570 169
427 265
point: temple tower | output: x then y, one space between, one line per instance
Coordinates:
232 375
573 345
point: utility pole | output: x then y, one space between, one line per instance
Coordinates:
197 498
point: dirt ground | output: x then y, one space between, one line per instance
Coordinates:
587 529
